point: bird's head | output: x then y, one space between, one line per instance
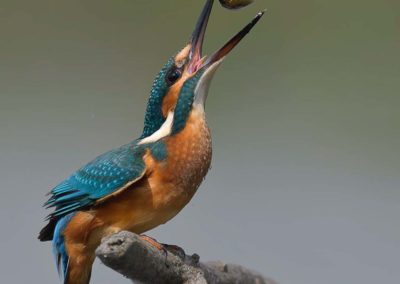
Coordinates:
183 83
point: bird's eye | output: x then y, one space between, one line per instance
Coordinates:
173 75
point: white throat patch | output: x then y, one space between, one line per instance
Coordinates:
201 90
164 130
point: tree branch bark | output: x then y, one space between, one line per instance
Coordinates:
141 262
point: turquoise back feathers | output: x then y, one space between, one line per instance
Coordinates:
101 177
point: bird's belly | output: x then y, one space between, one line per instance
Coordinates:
142 207
167 186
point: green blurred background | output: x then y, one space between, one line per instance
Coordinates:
304 113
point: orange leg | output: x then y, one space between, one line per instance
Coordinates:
79 268
164 247
153 242
80 244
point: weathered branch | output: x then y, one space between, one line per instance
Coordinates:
136 259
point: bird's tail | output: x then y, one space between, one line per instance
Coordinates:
46 234
75 264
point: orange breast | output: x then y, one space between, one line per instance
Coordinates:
187 163
167 185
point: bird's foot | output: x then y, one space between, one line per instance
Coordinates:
178 251
154 243
165 248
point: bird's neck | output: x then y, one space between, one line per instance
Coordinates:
154 118
190 150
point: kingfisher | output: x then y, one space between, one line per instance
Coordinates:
148 181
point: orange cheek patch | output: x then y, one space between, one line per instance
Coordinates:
172 96
170 100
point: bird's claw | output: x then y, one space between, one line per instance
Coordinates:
176 250
165 248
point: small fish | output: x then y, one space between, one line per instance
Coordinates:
235 4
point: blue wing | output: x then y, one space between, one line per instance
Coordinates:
102 177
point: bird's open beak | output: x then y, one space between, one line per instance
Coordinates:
196 58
